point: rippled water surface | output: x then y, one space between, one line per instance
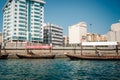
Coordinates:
58 69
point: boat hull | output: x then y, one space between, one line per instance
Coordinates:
35 56
87 57
5 56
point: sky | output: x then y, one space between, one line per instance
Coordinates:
100 13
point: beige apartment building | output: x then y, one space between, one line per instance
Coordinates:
96 38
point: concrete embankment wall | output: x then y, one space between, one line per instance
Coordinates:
60 51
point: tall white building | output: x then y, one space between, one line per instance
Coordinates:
53 34
23 20
115 27
114 33
77 33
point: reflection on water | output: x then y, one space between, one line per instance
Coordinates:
58 69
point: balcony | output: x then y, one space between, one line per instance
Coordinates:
23 6
23 20
37 13
23 10
23 13
36 4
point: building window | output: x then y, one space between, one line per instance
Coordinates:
15 5
22 6
22 2
15 9
15 1
15 13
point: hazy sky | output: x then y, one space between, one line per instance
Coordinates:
100 13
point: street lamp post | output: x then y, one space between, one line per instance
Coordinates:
115 36
91 31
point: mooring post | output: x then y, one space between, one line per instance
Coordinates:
81 50
0 49
50 49
75 49
96 49
117 50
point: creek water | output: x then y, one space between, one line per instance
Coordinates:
58 69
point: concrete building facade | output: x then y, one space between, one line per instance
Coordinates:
65 40
114 33
53 34
77 33
23 20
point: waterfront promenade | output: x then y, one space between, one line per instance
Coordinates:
60 51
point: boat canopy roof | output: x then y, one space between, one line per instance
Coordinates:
98 43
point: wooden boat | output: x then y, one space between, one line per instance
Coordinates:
4 56
95 57
92 57
28 56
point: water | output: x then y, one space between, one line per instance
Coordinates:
58 69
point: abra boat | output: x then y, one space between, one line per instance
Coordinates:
4 56
92 57
28 56
31 55
95 57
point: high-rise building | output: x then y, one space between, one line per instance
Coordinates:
23 20
77 33
53 34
